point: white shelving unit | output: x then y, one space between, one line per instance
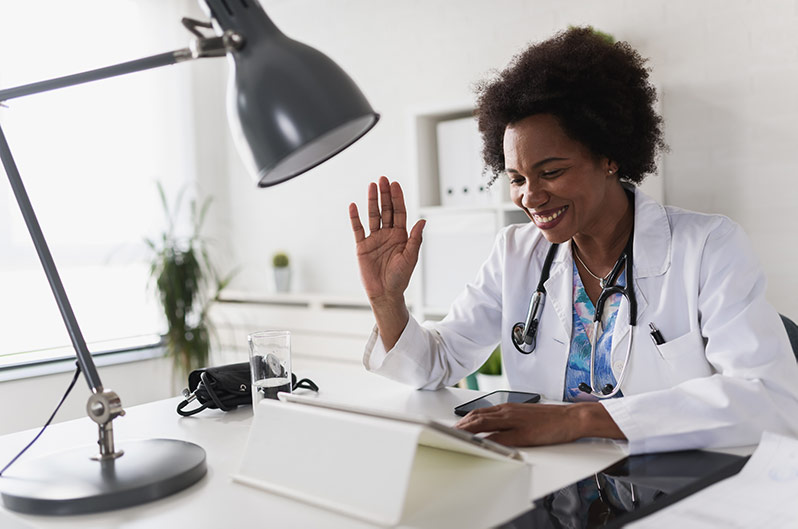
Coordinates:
323 328
457 238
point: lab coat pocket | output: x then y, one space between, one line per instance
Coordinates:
686 356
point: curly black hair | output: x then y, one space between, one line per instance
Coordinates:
598 90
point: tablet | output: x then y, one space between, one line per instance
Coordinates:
494 399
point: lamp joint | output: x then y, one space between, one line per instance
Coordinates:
103 407
208 45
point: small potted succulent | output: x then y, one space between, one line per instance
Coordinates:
282 272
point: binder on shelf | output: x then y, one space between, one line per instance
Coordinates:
460 167
381 468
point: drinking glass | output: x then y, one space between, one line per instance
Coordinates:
270 362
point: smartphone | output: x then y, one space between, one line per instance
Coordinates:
494 399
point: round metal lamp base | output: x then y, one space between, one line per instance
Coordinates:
72 483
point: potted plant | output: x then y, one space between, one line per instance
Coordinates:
186 283
282 272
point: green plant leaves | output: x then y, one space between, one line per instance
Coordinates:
186 283
493 365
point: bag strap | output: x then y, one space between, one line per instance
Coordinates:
189 413
220 402
305 383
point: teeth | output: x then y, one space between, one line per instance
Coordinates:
544 220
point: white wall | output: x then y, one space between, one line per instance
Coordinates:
28 402
728 70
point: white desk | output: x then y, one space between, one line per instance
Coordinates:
216 501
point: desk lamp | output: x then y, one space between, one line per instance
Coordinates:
290 108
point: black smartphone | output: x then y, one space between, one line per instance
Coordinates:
494 399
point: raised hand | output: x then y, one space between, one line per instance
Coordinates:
387 256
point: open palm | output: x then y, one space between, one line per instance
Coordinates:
387 256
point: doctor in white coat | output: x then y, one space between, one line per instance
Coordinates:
572 140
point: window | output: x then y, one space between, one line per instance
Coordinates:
89 157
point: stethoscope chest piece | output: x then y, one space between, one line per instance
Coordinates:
524 334
525 343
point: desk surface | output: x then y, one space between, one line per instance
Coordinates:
216 501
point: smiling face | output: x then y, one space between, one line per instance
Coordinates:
564 188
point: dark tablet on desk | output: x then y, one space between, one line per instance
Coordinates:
628 490
494 399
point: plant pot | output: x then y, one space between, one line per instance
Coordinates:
282 279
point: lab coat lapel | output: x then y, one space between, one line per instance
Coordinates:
652 247
621 329
559 290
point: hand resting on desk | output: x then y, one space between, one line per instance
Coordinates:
515 424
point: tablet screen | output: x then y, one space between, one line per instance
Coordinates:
496 398
628 490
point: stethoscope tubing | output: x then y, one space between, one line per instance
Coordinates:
524 334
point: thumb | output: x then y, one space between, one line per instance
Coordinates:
414 241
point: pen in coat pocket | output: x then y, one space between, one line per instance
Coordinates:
655 334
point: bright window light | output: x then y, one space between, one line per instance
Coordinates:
89 157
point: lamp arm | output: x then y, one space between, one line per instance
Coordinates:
103 405
155 61
46 258
201 47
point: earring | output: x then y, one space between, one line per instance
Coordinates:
610 171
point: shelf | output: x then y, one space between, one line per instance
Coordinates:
465 226
293 299
453 210
447 210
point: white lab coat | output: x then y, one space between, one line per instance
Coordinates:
725 374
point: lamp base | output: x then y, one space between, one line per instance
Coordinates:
71 482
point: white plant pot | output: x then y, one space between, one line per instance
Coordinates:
282 279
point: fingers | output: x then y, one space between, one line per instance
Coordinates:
414 241
357 227
374 210
485 420
386 202
398 203
386 207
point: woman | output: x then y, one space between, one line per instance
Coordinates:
570 123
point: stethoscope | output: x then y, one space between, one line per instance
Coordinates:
524 334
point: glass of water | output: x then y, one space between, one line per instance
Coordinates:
270 362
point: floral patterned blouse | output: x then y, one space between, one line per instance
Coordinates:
578 368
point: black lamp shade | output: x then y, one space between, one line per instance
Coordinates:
290 107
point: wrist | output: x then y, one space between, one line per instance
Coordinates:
391 317
591 419
389 305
